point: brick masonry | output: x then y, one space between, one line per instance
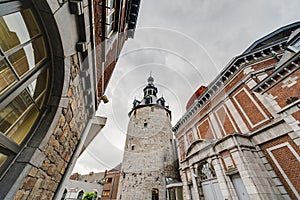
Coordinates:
286 160
246 126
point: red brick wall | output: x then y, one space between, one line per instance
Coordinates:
224 121
296 115
248 106
287 161
112 186
190 137
111 56
205 130
181 148
284 93
251 110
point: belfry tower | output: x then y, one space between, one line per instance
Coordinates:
149 155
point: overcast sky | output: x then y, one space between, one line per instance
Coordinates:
185 43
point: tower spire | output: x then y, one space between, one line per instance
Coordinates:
150 79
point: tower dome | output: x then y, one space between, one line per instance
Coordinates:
150 97
150 79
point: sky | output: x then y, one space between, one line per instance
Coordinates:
184 44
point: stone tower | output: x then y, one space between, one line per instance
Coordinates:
149 154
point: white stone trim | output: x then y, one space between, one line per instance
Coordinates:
289 82
237 117
255 103
215 126
230 119
195 132
269 150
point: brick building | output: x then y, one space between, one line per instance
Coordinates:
111 183
56 58
239 138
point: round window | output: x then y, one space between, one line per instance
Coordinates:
23 79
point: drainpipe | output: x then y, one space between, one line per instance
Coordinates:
103 13
118 31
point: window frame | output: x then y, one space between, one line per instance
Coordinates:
9 147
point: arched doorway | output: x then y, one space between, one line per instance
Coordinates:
208 182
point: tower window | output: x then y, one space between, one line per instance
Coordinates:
155 194
145 125
148 100
132 147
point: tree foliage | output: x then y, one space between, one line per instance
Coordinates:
90 196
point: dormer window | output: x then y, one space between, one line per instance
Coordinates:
295 46
148 100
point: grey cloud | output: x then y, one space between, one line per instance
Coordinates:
207 33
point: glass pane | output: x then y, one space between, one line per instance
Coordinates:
110 3
22 128
17 28
28 57
7 77
110 19
13 111
38 86
3 158
40 101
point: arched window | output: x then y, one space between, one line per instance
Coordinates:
24 75
148 100
64 194
155 194
206 171
80 194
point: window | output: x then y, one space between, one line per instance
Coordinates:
296 44
105 193
145 125
108 180
24 71
64 194
148 100
206 171
110 17
155 194
80 194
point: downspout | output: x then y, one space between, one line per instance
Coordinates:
118 31
93 46
103 31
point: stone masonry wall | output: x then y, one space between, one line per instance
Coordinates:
148 156
42 181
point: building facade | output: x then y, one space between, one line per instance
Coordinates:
240 138
56 58
111 183
149 156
